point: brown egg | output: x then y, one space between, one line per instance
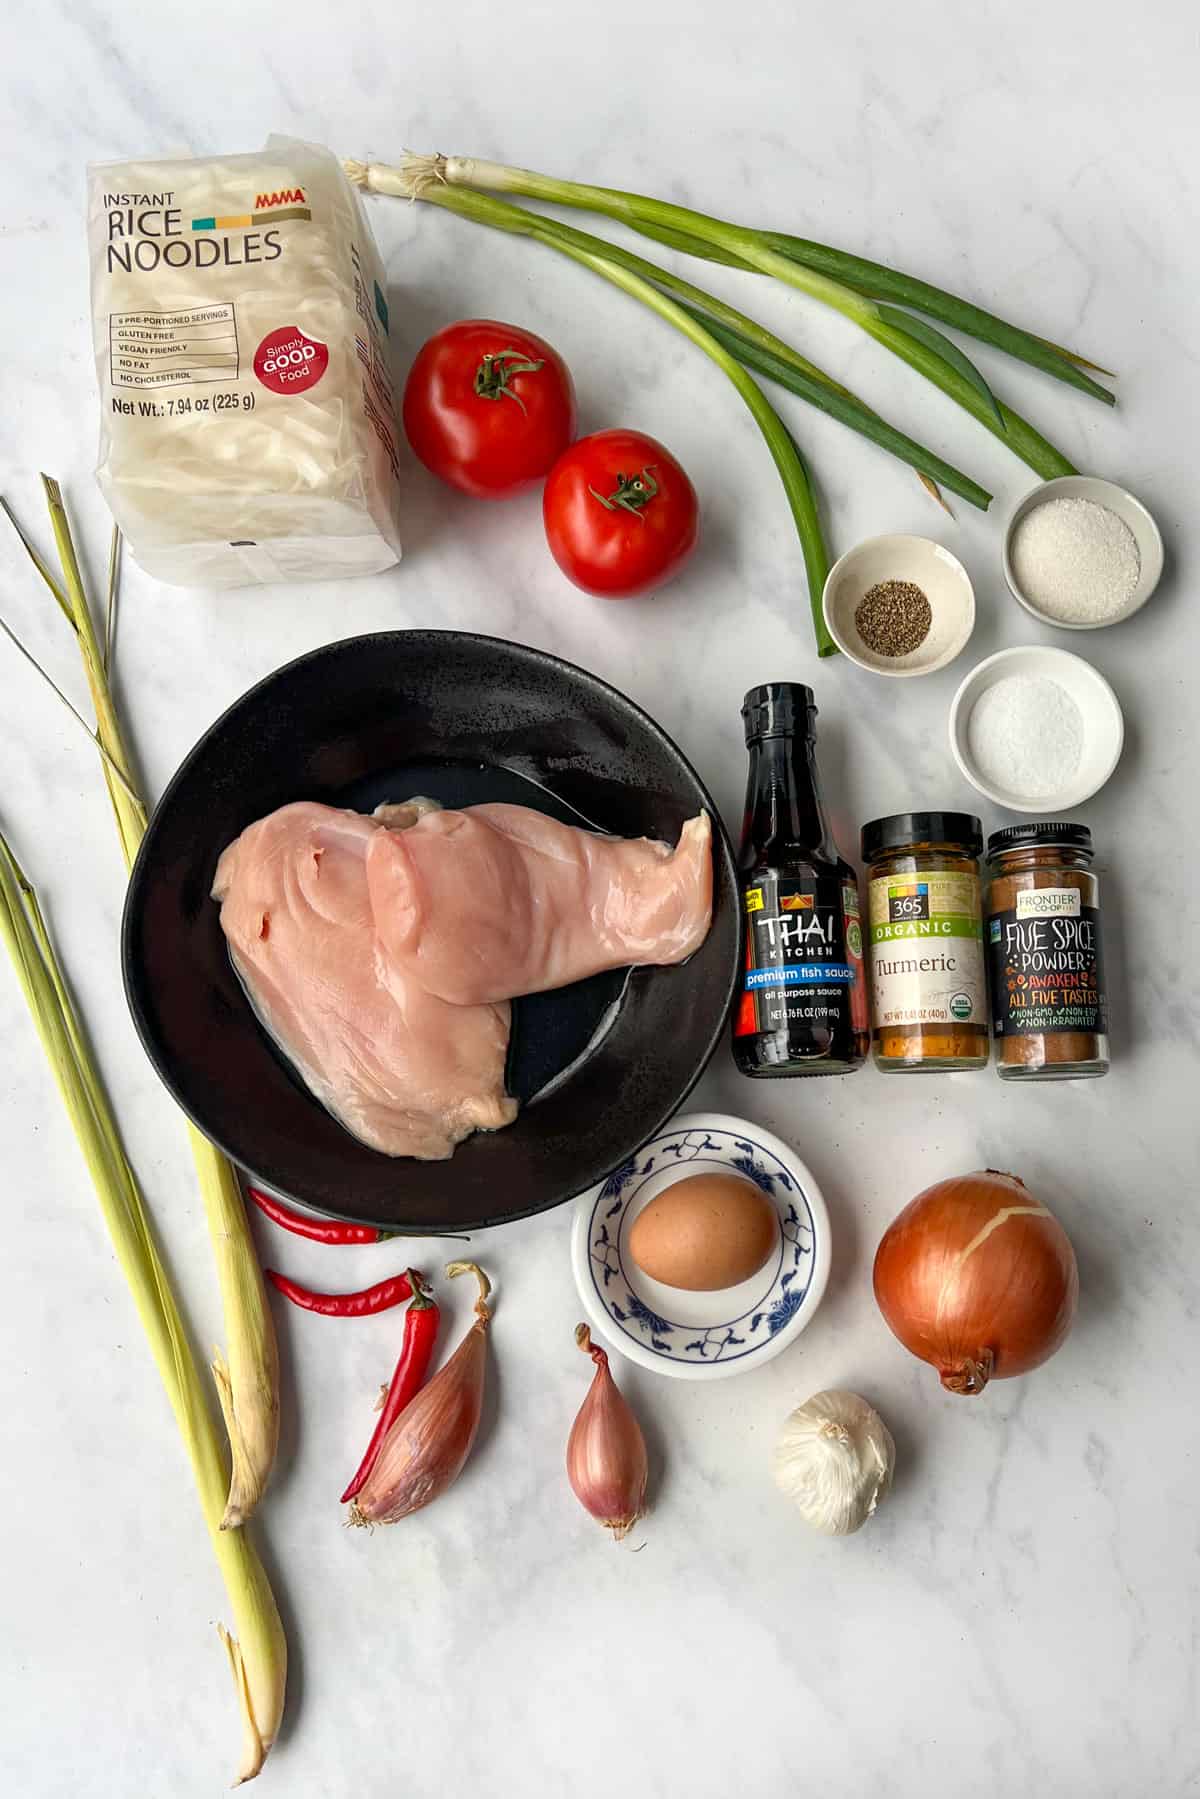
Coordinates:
705 1232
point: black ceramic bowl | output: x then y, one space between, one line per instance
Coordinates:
466 719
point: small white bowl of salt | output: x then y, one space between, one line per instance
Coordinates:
1036 729
1080 553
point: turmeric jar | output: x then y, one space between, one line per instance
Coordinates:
925 934
1049 1010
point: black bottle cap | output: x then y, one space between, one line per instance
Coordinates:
779 709
1045 835
962 829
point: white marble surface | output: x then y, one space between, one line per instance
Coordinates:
1022 1618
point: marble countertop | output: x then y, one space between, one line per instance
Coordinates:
1022 1616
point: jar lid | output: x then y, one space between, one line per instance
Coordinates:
1046 835
962 829
778 709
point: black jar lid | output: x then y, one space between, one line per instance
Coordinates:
778 709
962 829
1050 834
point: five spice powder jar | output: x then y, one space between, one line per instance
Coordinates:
928 983
1049 1010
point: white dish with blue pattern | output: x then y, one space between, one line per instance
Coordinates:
702 1336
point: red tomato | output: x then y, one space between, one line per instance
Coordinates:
488 407
621 516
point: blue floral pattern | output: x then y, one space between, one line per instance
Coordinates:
785 1282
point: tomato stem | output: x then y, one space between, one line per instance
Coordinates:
494 373
631 493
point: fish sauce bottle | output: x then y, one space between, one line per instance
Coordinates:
802 1006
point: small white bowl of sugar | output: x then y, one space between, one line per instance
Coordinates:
1036 729
1080 553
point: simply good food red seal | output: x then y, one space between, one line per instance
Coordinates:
288 362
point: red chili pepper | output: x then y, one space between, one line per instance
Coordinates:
320 1230
379 1298
420 1329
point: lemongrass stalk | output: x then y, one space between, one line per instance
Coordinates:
39 562
110 765
247 1377
914 342
110 604
130 811
258 1653
741 245
784 451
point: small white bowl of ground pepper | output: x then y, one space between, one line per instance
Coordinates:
899 605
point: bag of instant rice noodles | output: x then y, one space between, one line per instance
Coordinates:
247 429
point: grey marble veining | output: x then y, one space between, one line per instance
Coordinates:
1021 1617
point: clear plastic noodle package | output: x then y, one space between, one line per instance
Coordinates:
248 429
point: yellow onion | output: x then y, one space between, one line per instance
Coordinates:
426 1448
977 1277
606 1452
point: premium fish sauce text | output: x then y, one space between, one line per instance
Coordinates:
802 1007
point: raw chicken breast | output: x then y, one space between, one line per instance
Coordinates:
494 901
402 1070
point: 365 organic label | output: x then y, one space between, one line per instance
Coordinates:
926 942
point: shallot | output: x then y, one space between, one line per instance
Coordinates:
606 1452
424 1451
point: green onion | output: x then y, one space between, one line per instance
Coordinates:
258 1655
248 1382
576 245
876 281
760 349
913 340
1028 443
743 247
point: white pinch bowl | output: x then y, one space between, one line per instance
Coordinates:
940 576
710 1335
1128 509
1099 709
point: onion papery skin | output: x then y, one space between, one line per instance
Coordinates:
978 1278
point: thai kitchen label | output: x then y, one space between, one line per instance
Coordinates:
803 955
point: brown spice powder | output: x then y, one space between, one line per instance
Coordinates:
1041 868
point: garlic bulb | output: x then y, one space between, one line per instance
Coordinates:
834 1459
